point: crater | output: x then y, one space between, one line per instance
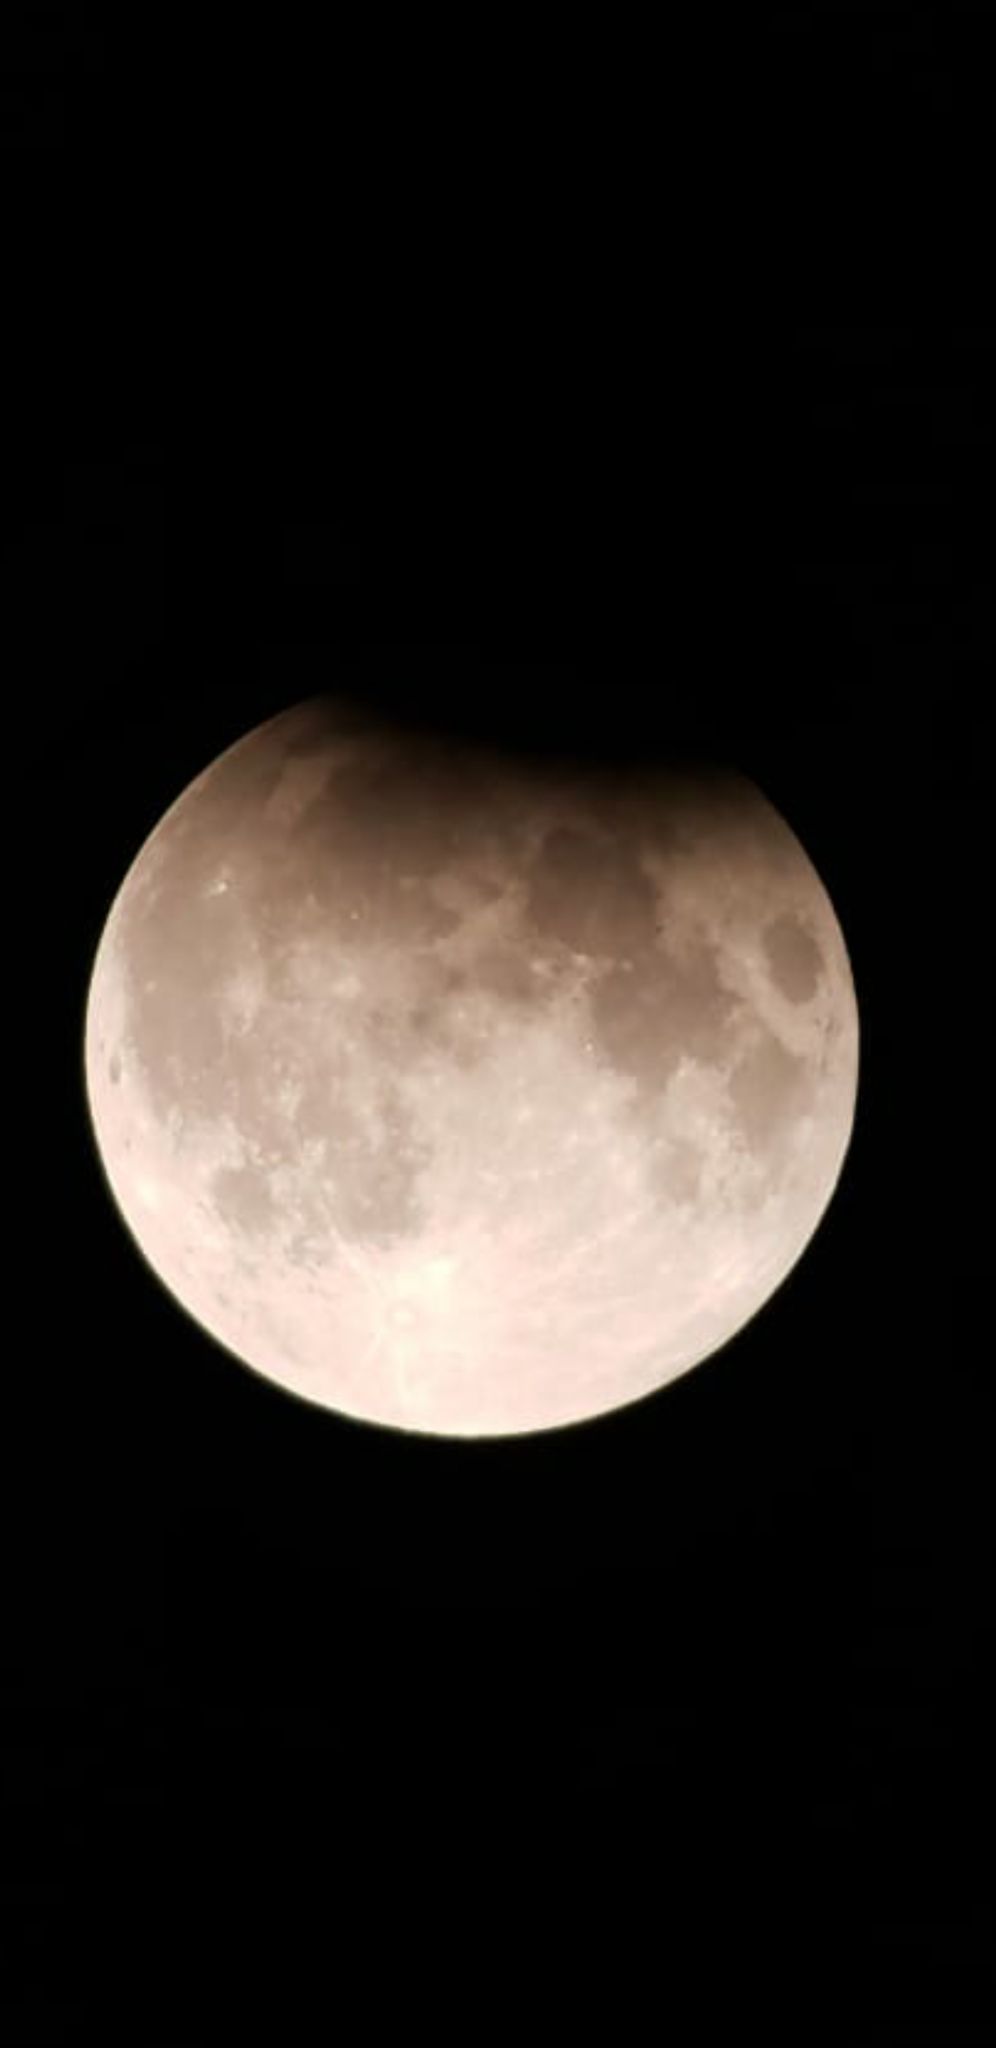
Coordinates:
795 962
592 895
676 1171
767 1088
505 972
648 1017
243 1199
377 1191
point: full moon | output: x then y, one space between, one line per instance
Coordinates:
463 1094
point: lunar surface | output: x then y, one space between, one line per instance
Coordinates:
463 1095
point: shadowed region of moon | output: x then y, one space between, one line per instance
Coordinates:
464 1095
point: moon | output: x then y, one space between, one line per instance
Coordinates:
462 1094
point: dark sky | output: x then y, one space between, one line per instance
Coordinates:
534 1728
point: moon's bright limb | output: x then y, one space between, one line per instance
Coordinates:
462 1096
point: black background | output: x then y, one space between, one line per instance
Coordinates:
655 407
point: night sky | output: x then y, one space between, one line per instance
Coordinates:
682 1708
